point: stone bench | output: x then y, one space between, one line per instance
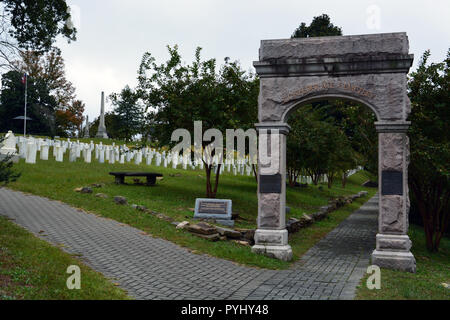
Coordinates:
151 177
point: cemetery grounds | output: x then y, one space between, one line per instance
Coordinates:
175 196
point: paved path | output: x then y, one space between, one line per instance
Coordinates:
151 268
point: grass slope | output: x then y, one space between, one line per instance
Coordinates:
32 269
433 269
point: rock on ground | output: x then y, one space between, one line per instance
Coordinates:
120 200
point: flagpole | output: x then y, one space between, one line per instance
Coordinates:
25 113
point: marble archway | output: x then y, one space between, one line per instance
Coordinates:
370 69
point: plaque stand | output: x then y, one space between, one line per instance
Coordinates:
220 211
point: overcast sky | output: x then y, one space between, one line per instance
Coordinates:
114 34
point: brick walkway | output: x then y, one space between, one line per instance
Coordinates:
151 268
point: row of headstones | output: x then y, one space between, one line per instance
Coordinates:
324 178
28 148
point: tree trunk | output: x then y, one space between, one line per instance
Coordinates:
255 172
344 179
432 202
330 180
210 193
291 176
216 185
208 180
315 179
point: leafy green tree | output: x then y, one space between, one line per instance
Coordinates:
342 158
129 112
357 122
32 25
315 146
177 95
429 169
321 26
41 105
295 156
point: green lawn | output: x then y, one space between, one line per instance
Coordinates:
32 269
433 269
175 196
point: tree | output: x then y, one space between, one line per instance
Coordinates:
317 146
50 69
241 92
307 151
357 122
342 159
429 169
32 25
320 26
41 105
129 112
69 120
295 156
181 94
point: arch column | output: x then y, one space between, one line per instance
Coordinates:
271 237
392 242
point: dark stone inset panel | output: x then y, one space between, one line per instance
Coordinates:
392 183
270 183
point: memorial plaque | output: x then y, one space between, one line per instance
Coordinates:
392 183
270 183
215 209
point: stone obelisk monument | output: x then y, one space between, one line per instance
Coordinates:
101 133
86 128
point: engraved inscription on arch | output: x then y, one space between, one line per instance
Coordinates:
328 84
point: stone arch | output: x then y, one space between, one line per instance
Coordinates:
369 69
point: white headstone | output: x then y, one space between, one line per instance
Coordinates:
23 148
31 152
129 156
59 153
148 159
107 153
138 158
73 154
101 155
112 156
87 154
44 151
